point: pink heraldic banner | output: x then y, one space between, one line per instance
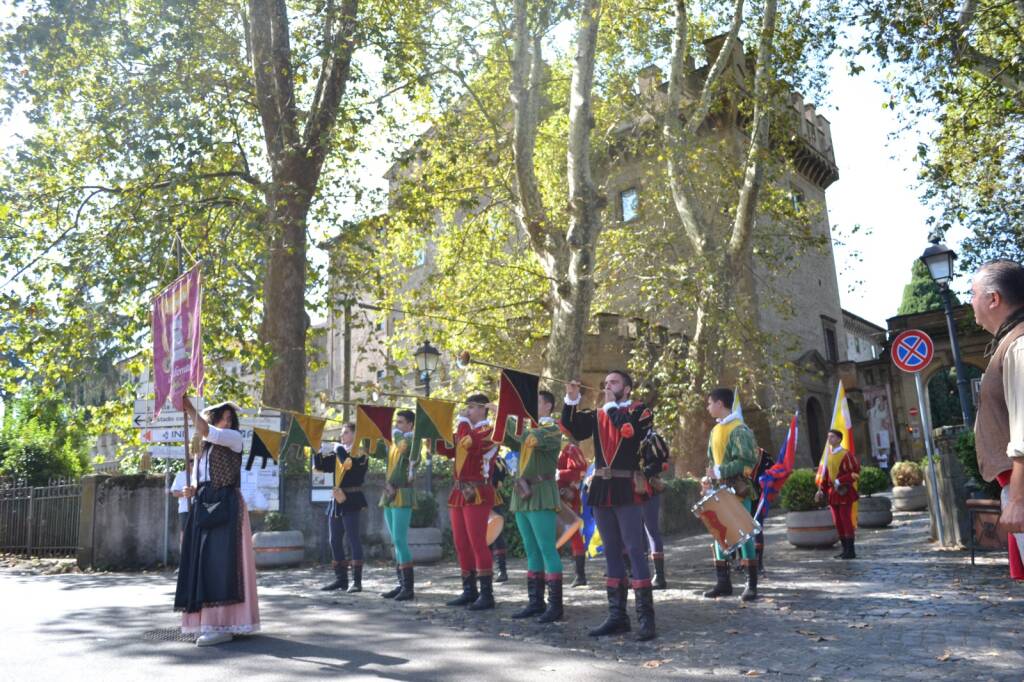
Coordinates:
177 340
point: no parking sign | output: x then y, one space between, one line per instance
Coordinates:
912 350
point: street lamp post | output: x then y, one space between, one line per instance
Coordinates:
939 260
427 358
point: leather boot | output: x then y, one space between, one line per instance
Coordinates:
760 558
554 611
581 571
486 598
847 552
750 591
659 571
469 593
408 583
645 613
357 577
502 575
722 588
340 577
853 551
617 621
534 594
392 593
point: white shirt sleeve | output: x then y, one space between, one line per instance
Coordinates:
228 438
179 483
1013 389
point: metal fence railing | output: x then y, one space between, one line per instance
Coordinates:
40 521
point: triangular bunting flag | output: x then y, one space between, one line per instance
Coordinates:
517 396
373 423
265 444
313 427
434 420
295 436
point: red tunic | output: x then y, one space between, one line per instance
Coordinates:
572 467
849 472
472 452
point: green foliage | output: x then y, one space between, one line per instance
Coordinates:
276 521
798 492
872 480
963 71
678 498
906 473
42 439
968 456
921 294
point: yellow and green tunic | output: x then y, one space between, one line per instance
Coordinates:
400 469
538 449
732 454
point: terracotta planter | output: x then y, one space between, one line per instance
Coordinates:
874 512
909 498
278 548
811 528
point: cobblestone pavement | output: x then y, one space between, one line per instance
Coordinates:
902 610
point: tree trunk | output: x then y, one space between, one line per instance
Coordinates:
571 297
284 312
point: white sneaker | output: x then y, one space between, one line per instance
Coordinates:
212 638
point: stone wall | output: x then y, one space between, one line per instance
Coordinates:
121 525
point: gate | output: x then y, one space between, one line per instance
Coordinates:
40 521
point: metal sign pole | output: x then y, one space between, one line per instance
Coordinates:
167 519
932 479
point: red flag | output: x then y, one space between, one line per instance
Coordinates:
517 396
177 340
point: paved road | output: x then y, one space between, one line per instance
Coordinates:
903 611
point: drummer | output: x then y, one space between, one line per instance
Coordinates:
732 456
535 502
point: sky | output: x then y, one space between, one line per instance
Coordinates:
877 189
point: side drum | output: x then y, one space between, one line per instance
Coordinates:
725 517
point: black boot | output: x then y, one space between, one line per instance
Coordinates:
408 583
502 574
554 611
357 577
581 571
760 558
535 595
340 577
659 571
723 588
848 552
750 591
644 613
486 598
469 593
617 621
392 593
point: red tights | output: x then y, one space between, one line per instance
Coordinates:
469 532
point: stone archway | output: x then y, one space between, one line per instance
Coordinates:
815 428
944 397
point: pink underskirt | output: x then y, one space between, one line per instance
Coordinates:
238 619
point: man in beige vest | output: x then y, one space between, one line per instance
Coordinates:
998 302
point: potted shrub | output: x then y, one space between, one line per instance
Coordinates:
424 536
276 545
873 512
808 524
908 493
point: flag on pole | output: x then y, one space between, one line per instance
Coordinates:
177 340
265 444
303 431
775 477
841 422
373 423
591 535
517 396
434 421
